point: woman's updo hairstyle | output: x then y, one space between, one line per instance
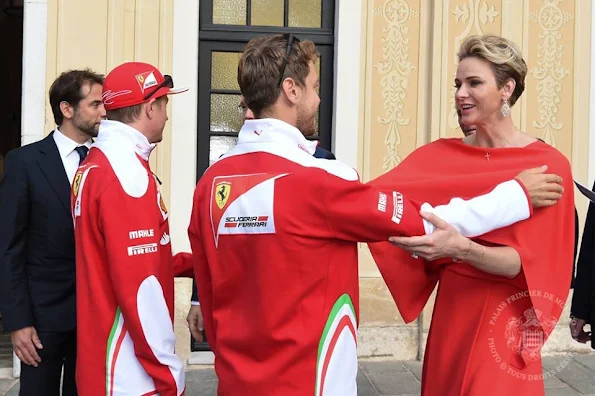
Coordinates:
504 57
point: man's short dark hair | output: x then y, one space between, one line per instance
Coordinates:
68 88
259 70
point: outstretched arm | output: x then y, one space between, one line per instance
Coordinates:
506 204
447 235
362 213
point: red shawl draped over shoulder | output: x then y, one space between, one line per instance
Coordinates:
446 169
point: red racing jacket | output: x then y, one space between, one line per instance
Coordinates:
125 286
274 235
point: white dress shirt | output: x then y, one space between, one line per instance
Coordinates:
66 148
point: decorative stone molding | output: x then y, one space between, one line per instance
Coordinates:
549 70
395 70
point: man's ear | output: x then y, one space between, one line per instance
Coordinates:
67 110
150 108
291 90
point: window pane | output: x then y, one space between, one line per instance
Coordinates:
267 12
305 13
224 70
229 12
220 145
225 116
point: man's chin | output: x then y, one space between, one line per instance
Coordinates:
308 131
95 131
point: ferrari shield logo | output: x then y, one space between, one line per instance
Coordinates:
77 183
222 191
146 80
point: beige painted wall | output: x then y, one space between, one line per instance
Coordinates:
410 60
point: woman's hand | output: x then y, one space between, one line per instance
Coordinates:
445 241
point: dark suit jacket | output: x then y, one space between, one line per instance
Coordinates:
37 260
583 300
319 153
323 153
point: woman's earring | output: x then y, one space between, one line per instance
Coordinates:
505 109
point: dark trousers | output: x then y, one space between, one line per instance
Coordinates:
59 350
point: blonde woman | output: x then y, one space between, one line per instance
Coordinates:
499 295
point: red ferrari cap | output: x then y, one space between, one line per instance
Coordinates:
133 83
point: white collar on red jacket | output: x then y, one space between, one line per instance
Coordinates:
118 131
122 145
281 139
271 130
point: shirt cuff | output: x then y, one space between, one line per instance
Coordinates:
194 303
504 205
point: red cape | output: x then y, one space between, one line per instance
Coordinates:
448 168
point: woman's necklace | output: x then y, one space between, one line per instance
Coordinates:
487 155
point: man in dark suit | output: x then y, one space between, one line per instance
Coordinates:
37 259
323 153
582 311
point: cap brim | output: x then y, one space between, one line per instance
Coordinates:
174 91
169 91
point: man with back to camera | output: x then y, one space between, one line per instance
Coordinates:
125 282
37 255
194 317
274 235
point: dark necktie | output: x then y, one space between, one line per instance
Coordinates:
83 151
